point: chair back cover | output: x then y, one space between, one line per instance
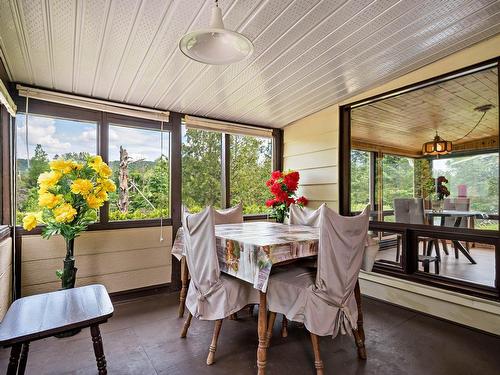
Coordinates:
456 204
201 251
342 241
409 210
304 216
233 215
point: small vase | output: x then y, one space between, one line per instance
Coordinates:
437 205
69 270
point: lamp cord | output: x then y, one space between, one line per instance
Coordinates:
470 131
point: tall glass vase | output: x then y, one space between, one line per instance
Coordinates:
69 270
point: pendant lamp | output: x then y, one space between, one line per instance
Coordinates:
216 45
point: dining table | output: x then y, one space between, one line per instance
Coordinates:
458 215
250 250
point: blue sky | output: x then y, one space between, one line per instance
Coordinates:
58 136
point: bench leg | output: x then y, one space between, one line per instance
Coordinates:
14 359
24 358
98 350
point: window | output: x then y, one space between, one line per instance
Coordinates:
201 169
45 139
250 167
397 175
141 171
360 180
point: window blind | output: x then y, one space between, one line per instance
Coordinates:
93 104
6 100
193 122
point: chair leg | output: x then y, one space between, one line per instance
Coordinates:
398 248
186 325
359 344
98 350
14 359
213 344
445 247
270 326
23 359
318 363
233 316
284 327
357 296
184 284
251 309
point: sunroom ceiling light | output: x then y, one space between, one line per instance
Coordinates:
438 146
216 45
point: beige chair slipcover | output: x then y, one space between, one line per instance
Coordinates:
304 216
211 295
233 215
324 299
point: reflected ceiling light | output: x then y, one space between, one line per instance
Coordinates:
438 146
216 45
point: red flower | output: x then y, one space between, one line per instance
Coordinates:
290 201
442 179
281 196
269 182
270 202
302 201
276 188
291 180
276 175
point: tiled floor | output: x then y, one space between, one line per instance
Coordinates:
143 338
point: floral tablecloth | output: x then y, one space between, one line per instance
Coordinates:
249 250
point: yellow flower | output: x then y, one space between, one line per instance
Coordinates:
49 179
64 213
102 195
30 222
49 200
93 201
76 165
61 165
96 159
81 186
107 185
105 170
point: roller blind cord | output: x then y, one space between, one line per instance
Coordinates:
162 200
26 114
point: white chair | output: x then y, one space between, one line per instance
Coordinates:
324 300
457 204
211 295
233 215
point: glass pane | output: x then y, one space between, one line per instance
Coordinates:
141 171
397 172
473 187
360 180
201 169
469 261
47 138
390 247
251 164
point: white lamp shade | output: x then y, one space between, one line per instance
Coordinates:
216 45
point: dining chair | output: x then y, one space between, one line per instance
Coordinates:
233 215
411 211
324 300
211 295
457 204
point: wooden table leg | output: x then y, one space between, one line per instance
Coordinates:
14 359
23 359
262 330
98 349
360 341
184 283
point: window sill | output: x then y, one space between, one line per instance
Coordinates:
5 232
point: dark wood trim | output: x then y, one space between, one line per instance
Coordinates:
226 171
251 217
146 291
488 64
345 160
16 263
5 165
277 149
176 189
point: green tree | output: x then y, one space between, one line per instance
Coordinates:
39 163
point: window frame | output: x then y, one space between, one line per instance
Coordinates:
174 127
411 232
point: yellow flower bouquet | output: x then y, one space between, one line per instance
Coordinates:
69 196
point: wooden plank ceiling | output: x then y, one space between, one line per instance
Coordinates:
407 121
308 54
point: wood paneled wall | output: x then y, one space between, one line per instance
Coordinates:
311 147
120 259
5 275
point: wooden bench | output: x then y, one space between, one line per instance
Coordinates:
44 315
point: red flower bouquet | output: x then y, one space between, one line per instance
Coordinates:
441 189
282 186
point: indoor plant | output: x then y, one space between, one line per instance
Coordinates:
441 192
69 196
283 186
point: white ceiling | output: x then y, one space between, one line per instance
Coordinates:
308 53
